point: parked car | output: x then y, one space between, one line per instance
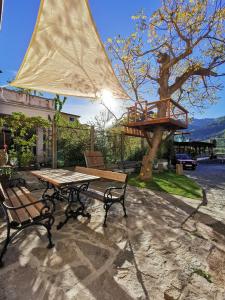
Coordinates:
185 160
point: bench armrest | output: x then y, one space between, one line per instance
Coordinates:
44 200
108 194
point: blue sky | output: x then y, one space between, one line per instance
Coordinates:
111 17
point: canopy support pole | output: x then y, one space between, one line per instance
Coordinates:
54 145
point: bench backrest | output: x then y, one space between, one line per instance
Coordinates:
3 196
115 176
94 159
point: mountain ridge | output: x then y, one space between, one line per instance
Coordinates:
207 128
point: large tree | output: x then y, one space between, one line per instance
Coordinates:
177 52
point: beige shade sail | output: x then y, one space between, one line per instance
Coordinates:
66 55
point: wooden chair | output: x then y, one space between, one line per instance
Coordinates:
22 210
109 194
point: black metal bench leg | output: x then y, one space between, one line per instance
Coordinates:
106 208
124 208
48 227
4 249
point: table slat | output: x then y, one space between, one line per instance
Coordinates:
60 177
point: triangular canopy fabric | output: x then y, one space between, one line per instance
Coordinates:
66 55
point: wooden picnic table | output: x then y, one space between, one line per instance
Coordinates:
66 185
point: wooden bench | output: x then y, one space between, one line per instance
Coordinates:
113 192
94 159
22 210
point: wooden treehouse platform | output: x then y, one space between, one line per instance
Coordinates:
133 132
145 116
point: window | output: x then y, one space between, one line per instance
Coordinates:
72 119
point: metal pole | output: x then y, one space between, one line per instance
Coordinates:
54 145
92 138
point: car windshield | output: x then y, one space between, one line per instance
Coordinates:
182 156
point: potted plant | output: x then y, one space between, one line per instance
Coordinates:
6 173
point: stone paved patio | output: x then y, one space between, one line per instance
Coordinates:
212 178
149 255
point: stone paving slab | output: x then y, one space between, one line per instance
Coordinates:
149 255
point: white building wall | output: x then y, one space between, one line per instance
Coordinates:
32 106
11 101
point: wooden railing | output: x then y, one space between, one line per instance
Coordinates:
166 109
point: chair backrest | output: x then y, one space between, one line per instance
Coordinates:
94 159
115 176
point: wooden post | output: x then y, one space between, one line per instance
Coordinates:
160 167
54 145
146 111
92 138
179 169
135 113
186 119
122 148
142 144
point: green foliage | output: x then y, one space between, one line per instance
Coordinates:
73 139
135 154
13 157
112 142
59 103
170 183
133 149
117 147
203 274
23 133
166 150
6 171
63 122
26 157
58 106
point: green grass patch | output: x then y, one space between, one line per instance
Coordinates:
170 183
203 274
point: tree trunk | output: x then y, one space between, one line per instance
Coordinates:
147 162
